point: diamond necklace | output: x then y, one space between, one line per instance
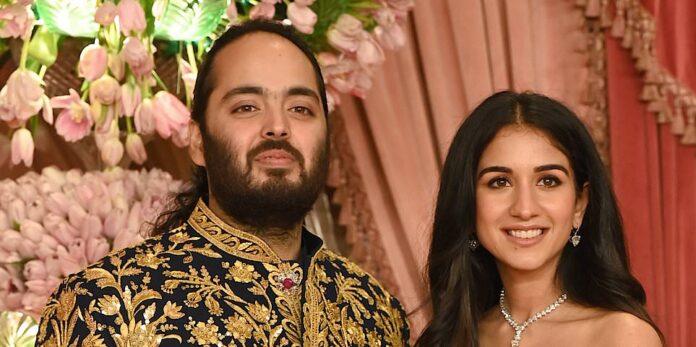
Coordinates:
519 328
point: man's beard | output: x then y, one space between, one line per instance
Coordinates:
276 203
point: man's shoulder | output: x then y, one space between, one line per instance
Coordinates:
349 269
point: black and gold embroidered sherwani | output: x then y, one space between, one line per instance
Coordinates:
208 284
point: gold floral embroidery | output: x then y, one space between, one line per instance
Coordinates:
156 293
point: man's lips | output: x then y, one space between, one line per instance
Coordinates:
275 157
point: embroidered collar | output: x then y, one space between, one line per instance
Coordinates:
240 243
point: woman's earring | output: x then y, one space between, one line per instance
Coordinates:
575 239
473 244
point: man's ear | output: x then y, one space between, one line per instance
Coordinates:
196 150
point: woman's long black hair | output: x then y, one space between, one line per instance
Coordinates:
465 284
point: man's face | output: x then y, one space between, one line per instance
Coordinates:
264 143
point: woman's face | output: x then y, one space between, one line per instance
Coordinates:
526 200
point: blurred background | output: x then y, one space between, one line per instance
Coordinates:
399 89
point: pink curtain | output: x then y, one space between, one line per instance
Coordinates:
654 172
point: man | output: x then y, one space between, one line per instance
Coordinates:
231 264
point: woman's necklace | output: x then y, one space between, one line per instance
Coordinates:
519 328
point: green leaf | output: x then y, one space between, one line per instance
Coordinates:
189 20
68 17
43 46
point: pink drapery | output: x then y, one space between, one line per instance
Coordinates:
654 173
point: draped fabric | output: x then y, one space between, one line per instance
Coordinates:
654 172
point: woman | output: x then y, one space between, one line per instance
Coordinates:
527 246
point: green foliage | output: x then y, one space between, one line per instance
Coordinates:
189 20
68 17
17 329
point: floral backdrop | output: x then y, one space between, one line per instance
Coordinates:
54 223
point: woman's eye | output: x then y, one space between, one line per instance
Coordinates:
499 182
245 109
302 110
549 181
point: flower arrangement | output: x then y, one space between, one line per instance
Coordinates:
56 223
122 99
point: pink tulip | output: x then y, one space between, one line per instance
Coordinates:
24 93
302 17
105 91
106 13
46 247
188 76
35 270
262 10
115 222
170 114
106 133
181 137
117 66
47 113
22 147
145 118
126 238
370 53
137 57
346 34
112 152
36 211
32 231
135 148
389 32
18 21
84 195
341 74
97 248
76 215
58 204
91 227
92 63
4 221
130 99
333 98
131 16
400 7
75 121
69 263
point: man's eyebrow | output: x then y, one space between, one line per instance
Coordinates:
242 90
494 169
549 167
303 91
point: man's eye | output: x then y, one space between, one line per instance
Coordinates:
244 109
302 110
499 182
549 181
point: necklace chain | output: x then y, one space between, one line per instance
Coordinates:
519 328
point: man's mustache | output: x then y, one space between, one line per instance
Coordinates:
271 144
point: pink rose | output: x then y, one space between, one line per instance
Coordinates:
18 21
22 147
75 121
105 91
92 63
106 13
135 148
137 57
302 17
131 16
170 114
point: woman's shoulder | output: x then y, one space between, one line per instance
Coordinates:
616 328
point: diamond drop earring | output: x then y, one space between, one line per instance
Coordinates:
575 239
473 244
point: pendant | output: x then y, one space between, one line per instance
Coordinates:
575 240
